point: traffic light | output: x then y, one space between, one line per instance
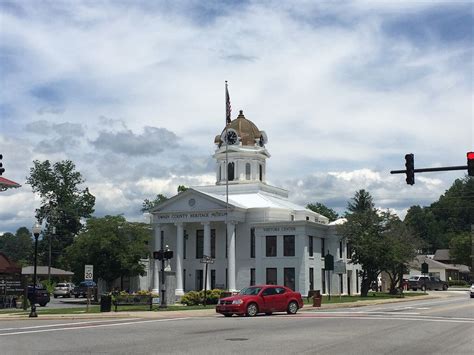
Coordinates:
470 163
2 169
410 168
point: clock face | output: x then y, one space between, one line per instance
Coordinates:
231 137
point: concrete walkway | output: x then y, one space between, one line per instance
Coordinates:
211 310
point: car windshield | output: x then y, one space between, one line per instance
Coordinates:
61 285
250 291
414 278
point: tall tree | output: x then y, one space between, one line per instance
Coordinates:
113 245
399 247
461 248
148 205
18 247
63 203
323 210
363 232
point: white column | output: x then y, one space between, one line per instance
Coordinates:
207 252
231 256
156 269
179 258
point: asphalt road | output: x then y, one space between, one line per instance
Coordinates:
439 326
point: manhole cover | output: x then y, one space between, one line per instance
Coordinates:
237 339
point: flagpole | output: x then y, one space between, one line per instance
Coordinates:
226 179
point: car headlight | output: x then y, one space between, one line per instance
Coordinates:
237 302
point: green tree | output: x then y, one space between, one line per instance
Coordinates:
460 248
113 245
363 231
148 205
63 203
18 247
424 225
399 247
323 210
182 188
446 218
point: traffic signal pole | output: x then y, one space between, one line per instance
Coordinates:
410 168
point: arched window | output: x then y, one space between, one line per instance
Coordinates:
219 175
260 172
230 171
247 171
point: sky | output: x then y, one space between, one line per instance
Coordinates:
133 93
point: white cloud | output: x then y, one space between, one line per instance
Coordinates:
343 91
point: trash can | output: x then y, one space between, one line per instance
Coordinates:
105 303
317 298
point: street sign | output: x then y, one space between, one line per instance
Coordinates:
88 272
339 267
207 260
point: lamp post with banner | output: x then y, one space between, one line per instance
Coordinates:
206 260
163 254
36 233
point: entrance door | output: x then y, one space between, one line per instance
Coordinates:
199 280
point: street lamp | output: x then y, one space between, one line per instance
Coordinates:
36 233
163 254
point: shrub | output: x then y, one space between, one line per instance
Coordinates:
194 298
457 283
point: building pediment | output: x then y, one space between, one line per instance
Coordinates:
195 206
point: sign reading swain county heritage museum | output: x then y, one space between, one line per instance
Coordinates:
279 229
191 215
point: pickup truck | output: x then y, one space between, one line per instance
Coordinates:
426 283
81 289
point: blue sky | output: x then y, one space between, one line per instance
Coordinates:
133 93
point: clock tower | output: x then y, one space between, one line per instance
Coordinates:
246 153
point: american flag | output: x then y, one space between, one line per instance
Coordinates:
228 108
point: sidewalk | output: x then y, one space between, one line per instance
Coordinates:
210 311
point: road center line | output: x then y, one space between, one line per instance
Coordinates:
93 326
75 323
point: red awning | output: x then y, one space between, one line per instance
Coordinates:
7 184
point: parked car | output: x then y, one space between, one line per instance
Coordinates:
42 295
81 289
471 290
261 299
63 289
426 283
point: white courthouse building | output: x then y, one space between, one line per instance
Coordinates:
258 237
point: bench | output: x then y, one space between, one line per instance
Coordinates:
133 300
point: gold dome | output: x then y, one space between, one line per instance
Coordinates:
246 130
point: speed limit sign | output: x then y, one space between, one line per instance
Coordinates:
88 272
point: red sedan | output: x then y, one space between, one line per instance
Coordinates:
261 299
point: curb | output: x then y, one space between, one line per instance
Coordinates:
206 312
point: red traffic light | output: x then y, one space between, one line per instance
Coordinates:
470 163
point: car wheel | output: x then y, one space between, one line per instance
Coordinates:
292 308
42 304
423 288
445 287
76 296
252 310
55 296
228 315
